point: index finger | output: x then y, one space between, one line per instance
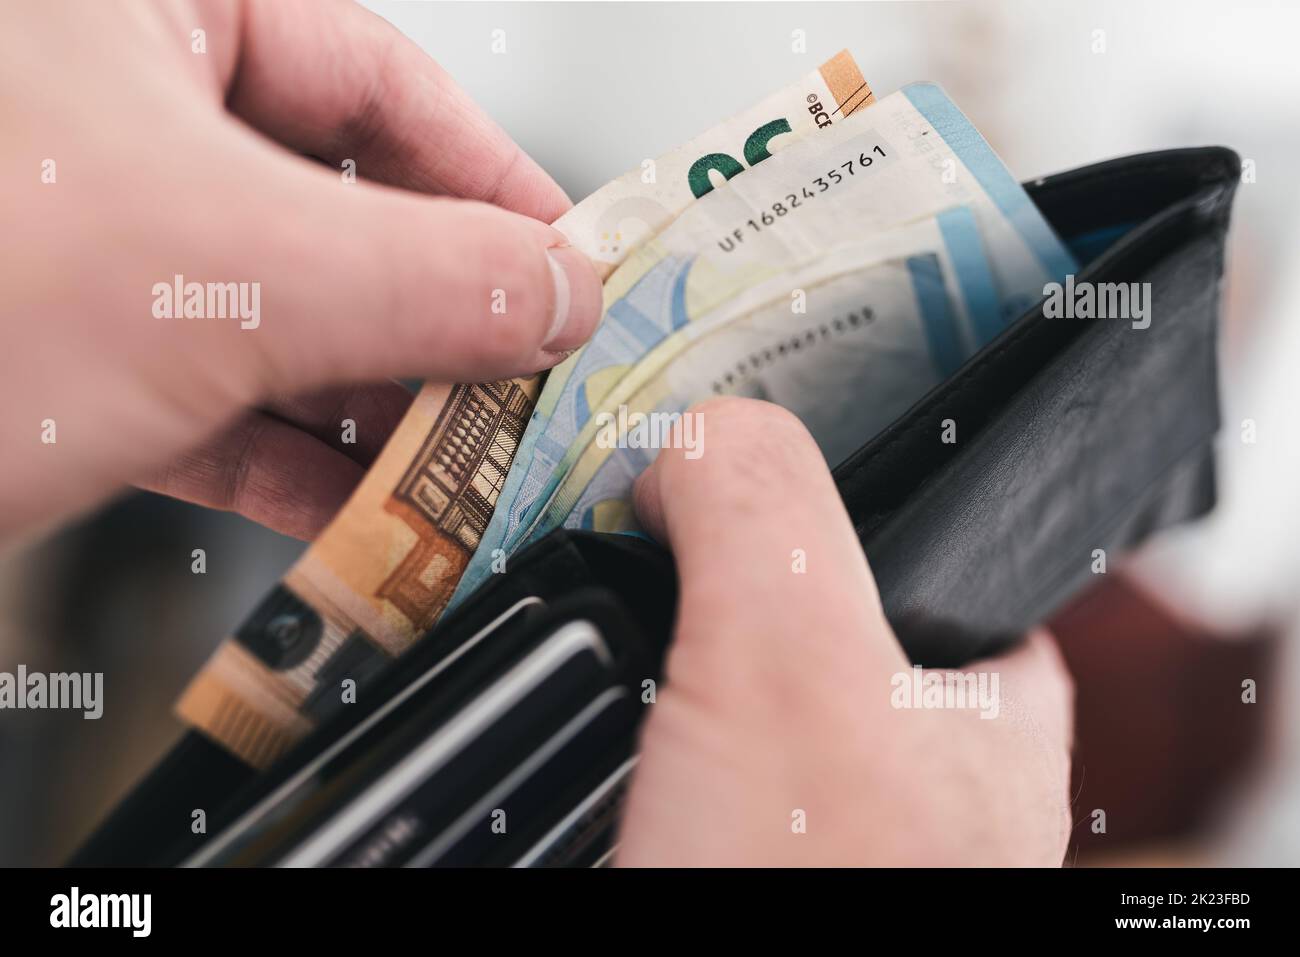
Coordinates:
342 83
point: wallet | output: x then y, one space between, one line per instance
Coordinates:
507 734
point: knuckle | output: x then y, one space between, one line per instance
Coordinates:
502 175
741 420
380 88
238 491
749 439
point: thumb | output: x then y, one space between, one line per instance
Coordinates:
780 640
360 281
772 574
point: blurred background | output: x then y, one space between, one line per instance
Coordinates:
1186 772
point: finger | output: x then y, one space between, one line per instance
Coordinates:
1036 701
353 419
354 283
1037 687
769 565
342 83
266 470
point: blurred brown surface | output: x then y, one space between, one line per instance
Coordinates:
1164 740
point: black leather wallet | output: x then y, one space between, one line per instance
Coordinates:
1073 435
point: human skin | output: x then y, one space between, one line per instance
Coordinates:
774 740
777 699
227 166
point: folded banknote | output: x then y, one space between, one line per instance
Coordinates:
908 156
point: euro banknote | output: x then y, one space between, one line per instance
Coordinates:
637 211
911 155
854 354
776 291
374 578
384 570
611 223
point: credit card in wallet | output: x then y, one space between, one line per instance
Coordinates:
407 776
447 774
284 808
513 812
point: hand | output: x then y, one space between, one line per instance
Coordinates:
777 706
167 161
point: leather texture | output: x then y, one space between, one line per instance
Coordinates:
1073 434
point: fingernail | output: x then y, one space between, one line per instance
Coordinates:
577 299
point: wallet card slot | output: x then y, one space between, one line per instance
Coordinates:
303 784
559 666
577 829
523 795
